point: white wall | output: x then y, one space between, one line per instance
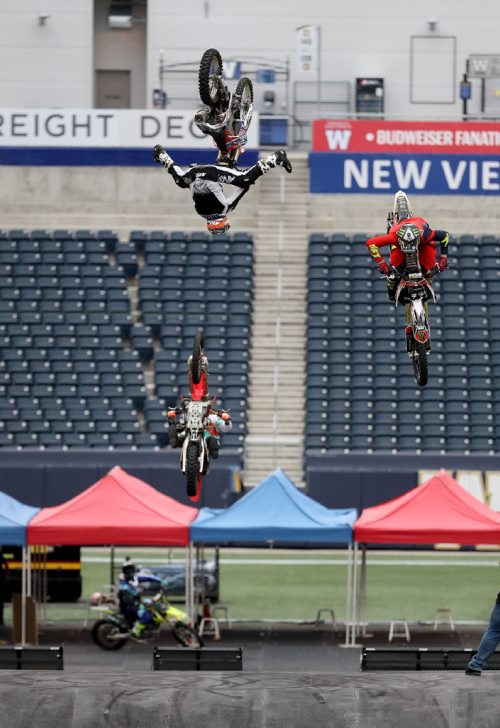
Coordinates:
359 37
53 65
46 65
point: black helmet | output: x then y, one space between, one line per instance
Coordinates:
129 569
409 237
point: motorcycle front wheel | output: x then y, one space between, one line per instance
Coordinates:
192 469
186 635
196 357
420 364
209 76
106 635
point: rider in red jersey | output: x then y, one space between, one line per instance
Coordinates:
403 216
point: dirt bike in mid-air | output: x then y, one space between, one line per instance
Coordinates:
113 630
413 291
226 116
194 411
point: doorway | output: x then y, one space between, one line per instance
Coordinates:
113 89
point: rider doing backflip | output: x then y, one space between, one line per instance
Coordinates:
401 222
205 182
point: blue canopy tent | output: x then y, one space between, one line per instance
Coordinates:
276 513
14 519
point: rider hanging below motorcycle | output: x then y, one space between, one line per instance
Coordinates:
217 421
402 224
226 118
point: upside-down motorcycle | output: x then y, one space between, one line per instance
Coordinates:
227 115
193 421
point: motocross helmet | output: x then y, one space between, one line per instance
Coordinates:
218 226
409 238
402 207
129 569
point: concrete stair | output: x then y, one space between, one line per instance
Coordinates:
277 366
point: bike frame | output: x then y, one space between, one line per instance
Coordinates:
195 416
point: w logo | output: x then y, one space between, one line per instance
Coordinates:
338 138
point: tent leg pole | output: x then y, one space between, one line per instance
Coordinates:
348 594
190 599
188 583
354 596
28 575
23 597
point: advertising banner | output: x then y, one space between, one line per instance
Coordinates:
122 136
432 174
307 49
440 158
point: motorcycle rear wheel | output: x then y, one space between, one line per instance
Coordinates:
208 77
244 92
186 635
101 634
420 364
192 469
196 357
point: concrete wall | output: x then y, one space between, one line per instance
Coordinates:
129 197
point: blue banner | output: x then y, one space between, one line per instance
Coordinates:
110 157
431 174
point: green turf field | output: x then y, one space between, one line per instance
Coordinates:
279 584
275 584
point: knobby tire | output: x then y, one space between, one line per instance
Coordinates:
420 364
192 469
210 65
186 635
196 358
99 631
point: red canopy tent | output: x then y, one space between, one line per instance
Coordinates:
117 510
438 511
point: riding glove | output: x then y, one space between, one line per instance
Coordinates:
443 262
383 268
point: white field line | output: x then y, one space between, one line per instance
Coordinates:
310 562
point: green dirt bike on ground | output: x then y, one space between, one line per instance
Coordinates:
113 630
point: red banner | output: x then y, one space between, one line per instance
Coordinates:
407 137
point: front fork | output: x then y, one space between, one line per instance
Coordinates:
417 326
202 454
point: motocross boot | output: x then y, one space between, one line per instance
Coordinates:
392 287
276 159
161 156
137 630
213 445
224 160
172 435
409 340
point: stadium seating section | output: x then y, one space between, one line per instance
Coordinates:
361 394
74 350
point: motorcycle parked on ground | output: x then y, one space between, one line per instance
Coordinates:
413 291
113 630
227 116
